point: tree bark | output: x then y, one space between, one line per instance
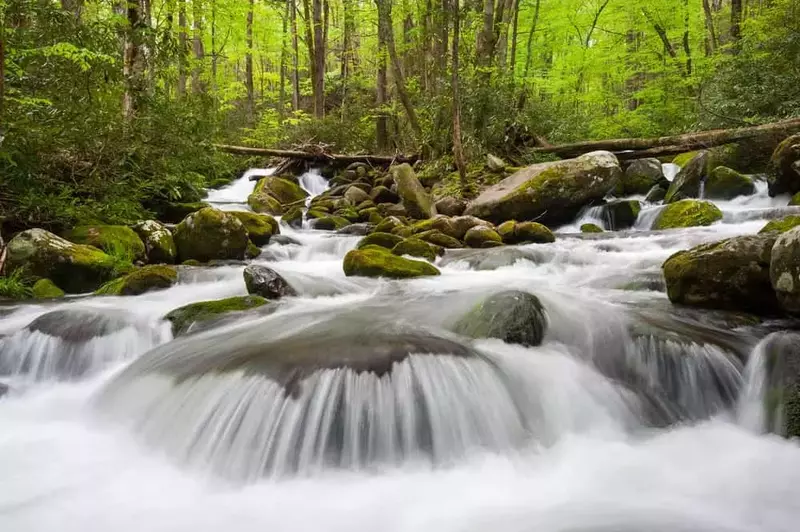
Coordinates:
283 68
197 46
514 34
524 92
686 142
2 63
347 39
712 32
319 60
381 126
377 160
736 23
182 38
687 49
295 57
248 65
485 44
458 149
132 65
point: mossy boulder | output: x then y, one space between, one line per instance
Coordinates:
591 228
260 227
330 223
781 352
515 317
656 194
450 206
726 184
380 262
439 239
682 159
384 240
146 279
76 268
513 232
210 234
462 224
785 269
274 195
416 248
639 177
117 240
389 224
418 203
174 212
294 216
46 289
687 213
159 245
733 274
783 173
482 236
190 317
781 225
356 195
622 214
687 183
348 213
552 192
405 231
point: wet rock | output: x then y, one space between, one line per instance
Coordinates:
78 325
284 240
360 229
732 274
525 233
379 262
294 217
75 268
329 223
726 184
781 225
451 206
146 279
388 224
210 234
640 176
381 194
784 167
260 227
117 240
355 195
390 209
552 192
349 214
785 269
781 351
417 203
173 213
687 183
656 194
266 282
622 214
274 195
687 213
384 240
252 251
158 242
197 316
481 236
462 224
591 228
4 389
513 316
46 289
439 239
495 164
417 248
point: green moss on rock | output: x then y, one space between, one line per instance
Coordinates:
384 240
146 279
533 233
440 239
260 227
117 240
725 183
687 213
185 317
781 225
591 228
416 248
512 316
417 202
46 289
210 234
374 262
330 223
158 242
482 236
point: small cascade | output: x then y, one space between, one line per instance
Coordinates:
670 170
234 196
750 412
313 183
702 192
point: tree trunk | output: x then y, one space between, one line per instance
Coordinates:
132 64
248 65
182 38
197 46
295 57
214 57
329 158
528 58
458 149
485 44
712 32
74 7
736 23
385 12
687 49
2 63
347 42
381 126
283 67
319 60
514 35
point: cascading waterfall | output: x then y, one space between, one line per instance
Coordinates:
356 395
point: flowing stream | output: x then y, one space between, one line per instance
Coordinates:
632 416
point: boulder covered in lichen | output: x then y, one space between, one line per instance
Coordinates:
210 234
687 213
374 261
158 242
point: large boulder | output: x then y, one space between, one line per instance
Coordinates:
781 225
550 192
417 248
381 194
513 316
726 184
76 268
656 194
482 236
192 317
784 167
158 242
687 183
513 232
384 240
417 202
781 351
622 214
451 206
210 234
639 177
274 195
733 274
784 269
117 240
380 262
146 279
266 282
260 227
687 213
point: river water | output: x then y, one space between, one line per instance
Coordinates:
632 416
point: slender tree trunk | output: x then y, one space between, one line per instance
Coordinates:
712 32
385 11
458 149
736 23
381 126
214 57
248 66
295 57
74 7
485 44
347 43
687 49
528 57
319 59
132 65
514 34
182 38
197 46
283 67
2 63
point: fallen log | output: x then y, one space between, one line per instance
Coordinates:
322 158
660 151
686 142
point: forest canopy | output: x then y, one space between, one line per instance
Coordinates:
109 109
